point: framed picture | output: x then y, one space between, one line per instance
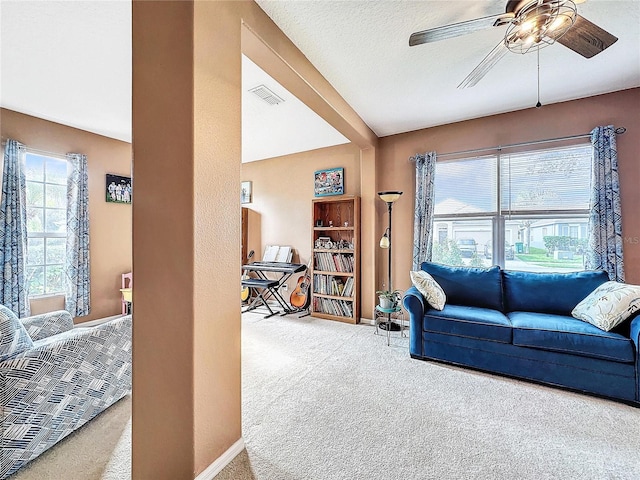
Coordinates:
329 182
118 189
245 192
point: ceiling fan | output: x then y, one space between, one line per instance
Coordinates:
531 24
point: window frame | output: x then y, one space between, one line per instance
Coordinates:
499 216
44 235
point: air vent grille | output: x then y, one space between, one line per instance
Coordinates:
267 95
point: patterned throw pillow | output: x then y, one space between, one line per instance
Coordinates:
609 305
14 338
429 288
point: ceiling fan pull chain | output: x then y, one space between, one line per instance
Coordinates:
538 105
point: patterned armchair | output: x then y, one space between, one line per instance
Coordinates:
54 378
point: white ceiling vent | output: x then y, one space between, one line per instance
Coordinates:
267 95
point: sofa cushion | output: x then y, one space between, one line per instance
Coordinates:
467 321
560 333
474 287
556 293
429 289
609 305
14 338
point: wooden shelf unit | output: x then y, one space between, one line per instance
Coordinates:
336 267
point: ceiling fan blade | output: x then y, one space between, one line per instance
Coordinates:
458 29
587 38
485 65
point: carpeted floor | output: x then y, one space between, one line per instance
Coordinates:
331 401
324 400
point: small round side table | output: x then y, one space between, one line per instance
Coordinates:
389 320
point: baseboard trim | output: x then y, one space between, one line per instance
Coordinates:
367 321
225 459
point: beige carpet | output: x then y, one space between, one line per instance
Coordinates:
100 450
324 400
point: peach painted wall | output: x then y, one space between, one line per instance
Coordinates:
551 121
163 241
110 228
186 128
280 212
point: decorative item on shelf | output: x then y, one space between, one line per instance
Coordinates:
389 300
323 242
329 182
385 242
319 223
343 244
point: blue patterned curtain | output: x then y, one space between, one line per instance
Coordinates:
423 215
13 230
77 268
605 219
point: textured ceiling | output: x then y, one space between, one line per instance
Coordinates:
70 62
274 130
361 47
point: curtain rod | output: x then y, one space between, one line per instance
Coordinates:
40 152
619 131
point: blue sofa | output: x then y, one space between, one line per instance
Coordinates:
519 324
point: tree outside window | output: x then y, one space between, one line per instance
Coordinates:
46 182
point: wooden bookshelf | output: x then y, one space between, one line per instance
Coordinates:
335 269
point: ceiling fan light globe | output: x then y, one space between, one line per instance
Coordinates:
558 22
527 26
539 23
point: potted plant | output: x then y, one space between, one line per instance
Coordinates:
389 299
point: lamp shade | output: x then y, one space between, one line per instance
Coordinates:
389 197
384 241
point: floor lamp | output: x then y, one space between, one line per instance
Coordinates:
385 242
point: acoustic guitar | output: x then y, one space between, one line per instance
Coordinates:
300 298
245 291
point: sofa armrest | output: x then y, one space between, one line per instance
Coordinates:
47 324
635 333
414 303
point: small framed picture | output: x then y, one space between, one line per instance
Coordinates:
245 192
118 189
329 182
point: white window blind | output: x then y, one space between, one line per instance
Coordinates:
466 186
546 180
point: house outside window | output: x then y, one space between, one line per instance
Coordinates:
522 211
46 184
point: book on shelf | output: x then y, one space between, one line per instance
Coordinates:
339 308
333 285
334 262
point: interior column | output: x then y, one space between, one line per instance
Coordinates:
186 232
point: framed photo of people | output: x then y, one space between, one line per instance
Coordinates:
118 189
329 182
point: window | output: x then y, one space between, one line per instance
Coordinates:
46 224
522 211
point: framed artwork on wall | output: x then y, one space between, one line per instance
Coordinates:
245 192
118 189
329 182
